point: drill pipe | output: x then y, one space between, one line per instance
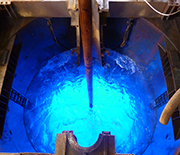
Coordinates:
85 13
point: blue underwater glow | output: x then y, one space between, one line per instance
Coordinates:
59 101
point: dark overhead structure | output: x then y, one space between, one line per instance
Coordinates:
89 19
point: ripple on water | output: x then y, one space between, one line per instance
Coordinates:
58 101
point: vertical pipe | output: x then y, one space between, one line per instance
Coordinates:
85 13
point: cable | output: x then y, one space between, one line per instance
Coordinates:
162 14
49 23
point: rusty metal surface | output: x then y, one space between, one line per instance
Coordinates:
105 145
41 8
135 9
85 13
170 56
66 144
170 30
60 8
61 141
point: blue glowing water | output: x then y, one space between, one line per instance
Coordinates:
59 101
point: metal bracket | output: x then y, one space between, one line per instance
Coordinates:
66 144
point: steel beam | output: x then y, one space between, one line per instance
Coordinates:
41 8
135 9
60 8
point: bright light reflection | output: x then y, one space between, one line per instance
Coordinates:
59 102
77 114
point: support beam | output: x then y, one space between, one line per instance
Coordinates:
85 12
96 33
170 58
